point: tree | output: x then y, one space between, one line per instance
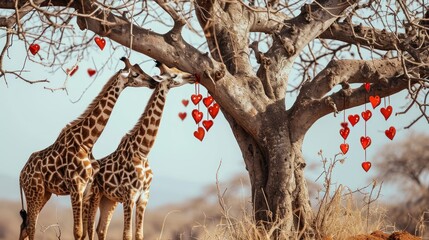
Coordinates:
405 165
308 49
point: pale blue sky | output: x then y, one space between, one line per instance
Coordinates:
31 118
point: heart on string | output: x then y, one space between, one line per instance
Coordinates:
214 110
208 101
366 115
353 119
386 112
365 141
185 102
375 101
91 72
100 42
182 115
367 86
344 125
344 148
366 166
72 71
199 134
197 115
196 98
34 48
390 133
344 132
207 124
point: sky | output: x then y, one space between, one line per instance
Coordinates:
31 118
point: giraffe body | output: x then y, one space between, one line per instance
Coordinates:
125 175
65 167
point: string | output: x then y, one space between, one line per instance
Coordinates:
344 112
366 97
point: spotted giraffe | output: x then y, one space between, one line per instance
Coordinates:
64 168
125 175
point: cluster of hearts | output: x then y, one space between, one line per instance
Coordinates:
366 115
197 115
101 43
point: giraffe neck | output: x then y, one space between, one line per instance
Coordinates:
142 136
89 126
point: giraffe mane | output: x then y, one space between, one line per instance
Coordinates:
142 117
93 103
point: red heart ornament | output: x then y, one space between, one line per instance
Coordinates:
353 119
367 86
207 124
365 141
197 115
344 125
214 110
196 98
390 133
344 148
34 48
208 101
72 71
100 42
182 115
375 101
344 132
366 115
366 166
386 112
185 102
199 134
91 72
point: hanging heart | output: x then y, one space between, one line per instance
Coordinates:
353 119
214 110
208 101
386 112
196 98
344 132
375 101
344 148
34 48
197 115
366 166
344 125
100 42
365 141
366 115
72 71
199 134
367 86
182 115
185 102
390 133
91 72
207 124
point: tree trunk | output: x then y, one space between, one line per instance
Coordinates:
275 165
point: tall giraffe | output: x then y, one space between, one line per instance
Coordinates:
125 175
65 168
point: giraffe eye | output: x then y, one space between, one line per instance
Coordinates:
174 76
134 74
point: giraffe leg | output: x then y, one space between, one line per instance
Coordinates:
91 203
140 210
107 207
128 213
35 203
76 200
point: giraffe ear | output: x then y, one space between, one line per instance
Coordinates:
127 63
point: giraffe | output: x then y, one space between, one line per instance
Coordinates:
124 175
65 167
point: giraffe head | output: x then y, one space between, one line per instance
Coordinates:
173 77
134 76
